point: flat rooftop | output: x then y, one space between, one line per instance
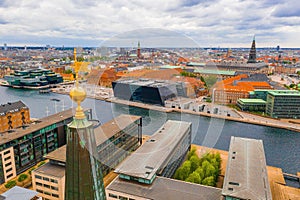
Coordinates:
30 128
258 101
18 193
150 157
284 93
102 133
51 170
246 175
166 188
216 72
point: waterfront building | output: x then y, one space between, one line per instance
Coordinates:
252 105
283 104
24 147
13 115
246 174
84 178
230 90
115 140
144 90
259 94
32 78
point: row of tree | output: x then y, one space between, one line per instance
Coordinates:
204 170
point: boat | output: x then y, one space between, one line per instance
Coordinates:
54 99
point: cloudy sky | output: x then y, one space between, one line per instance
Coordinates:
204 23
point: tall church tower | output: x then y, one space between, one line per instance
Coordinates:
84 180
252 54
139 50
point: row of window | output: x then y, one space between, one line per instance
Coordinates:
47 186
119 197
46 179
47 193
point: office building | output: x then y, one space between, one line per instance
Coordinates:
283 104
13 115
252 105
246 173
24 147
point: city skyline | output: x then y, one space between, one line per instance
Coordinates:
217 23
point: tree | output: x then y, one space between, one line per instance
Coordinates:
68 71
10 184
22 177
210 181
200 171
186 168
194 178
191 153
194 162
210 170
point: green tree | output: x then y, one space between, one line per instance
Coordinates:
41 163
186 168
210 181
191 153
22 177
10 184
194 162
194 178
30 170
68 71
200 171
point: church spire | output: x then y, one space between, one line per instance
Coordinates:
252 54
84 178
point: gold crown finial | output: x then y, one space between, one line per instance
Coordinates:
77 93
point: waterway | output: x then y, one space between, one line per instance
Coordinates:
282 147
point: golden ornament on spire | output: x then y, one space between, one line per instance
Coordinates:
77 93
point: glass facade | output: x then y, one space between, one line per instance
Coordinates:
119 146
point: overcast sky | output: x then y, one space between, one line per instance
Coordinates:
204 23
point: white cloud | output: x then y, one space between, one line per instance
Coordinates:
210 23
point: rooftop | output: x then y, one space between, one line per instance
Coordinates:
258 101
246 175
15 106
165 188
30 128
18 193
217 72
51 170
150 157
284 93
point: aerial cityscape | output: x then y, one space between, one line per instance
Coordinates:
144 100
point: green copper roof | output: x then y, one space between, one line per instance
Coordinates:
252 101
284 93
217 72
170 67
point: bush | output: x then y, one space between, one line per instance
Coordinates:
30 170
10 184
22 177
41 163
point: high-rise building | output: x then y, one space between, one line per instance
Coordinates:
5 47
139 50
84 178
252 54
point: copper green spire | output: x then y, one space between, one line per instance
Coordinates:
84 179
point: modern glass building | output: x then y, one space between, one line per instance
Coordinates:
283 104
252 104
24 147
146 91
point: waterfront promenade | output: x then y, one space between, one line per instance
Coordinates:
106 94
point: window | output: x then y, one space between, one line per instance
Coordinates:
38 177
40 191
9 176
39 184
47 193
7 158
6 152
46 186
123 198
113 195
54 188
45 179
7 164
234 183
55 195
10 169
54 181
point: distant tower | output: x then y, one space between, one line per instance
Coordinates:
139 50
5 47
252 54
84 180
